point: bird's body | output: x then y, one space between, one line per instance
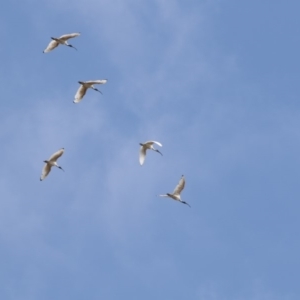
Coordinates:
52 163
147 146
176 194
63 40
84 85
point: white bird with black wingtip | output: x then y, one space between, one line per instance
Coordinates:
147 146
62 40
51 162
84 85
176 194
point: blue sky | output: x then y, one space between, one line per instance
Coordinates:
217 84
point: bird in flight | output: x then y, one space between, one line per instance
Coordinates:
62 40
84 85
52 163
145 146
176 194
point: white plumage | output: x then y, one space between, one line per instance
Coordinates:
52 163
145 146
61 40
178 189
84 85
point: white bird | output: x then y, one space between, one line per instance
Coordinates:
145 147
84 85
52 163
61 40
177 191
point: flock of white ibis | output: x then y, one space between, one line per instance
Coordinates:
84 86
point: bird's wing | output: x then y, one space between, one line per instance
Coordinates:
153 142
65 37
180 186
45 171
142 154
102 81
57 155
80 93
53 44
157 143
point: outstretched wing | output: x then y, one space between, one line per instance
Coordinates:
180 186
153 142
65 37
101 81
45 171
57 155
142 155
53 44
157 143
80 93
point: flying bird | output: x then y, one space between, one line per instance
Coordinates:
176 194
52 163
145 147
84 85
63 40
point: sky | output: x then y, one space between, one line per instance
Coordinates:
216 82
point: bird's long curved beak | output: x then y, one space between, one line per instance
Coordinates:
72 47
185 203
158 152
98 91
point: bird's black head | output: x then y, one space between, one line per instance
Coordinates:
185 203
98 91
72 47
158 152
